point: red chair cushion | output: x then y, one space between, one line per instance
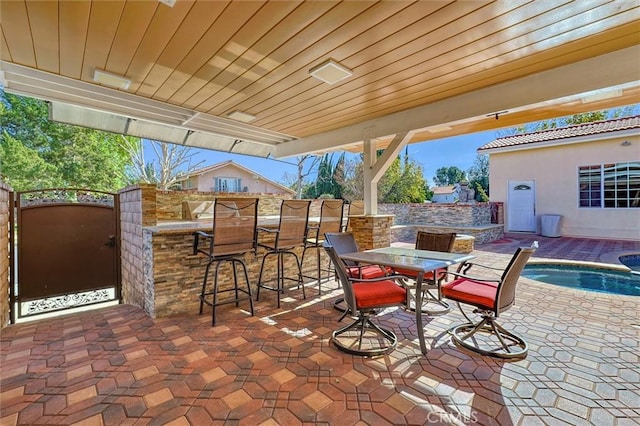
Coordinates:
378 294
413 274
476 293
367 272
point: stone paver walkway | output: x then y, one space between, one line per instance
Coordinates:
117 366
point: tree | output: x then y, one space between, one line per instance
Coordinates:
299 182
448 176
403 182
171 162
74 156
22 167
479 177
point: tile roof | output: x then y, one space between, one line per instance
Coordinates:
587 129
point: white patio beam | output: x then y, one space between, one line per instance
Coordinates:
374 167
612 69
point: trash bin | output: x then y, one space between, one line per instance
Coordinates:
550 225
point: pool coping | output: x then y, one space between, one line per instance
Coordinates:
611 266
614 256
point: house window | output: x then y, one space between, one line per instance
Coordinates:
227 184
614 185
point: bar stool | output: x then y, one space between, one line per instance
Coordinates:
291 233
330 221
234 234
356 208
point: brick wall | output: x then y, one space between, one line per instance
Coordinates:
137 210
4 255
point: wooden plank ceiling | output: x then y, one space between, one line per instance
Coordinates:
215 57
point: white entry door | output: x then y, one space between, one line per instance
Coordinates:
521 207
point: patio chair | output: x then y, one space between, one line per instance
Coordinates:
233 235
365 297
356 208
330 221
490 298
291 233
432 241
344 242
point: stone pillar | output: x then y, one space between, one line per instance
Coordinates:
137 210
4 255
372 231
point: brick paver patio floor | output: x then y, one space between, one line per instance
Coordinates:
117 366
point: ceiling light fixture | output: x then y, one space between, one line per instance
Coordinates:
169 3
111 80
601 95
330 72
241 116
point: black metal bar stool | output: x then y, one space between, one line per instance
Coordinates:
233 235
330 221
291 233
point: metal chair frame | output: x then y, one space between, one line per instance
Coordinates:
344 242
234 233
433 241
387 338
511 346
330 221
291 233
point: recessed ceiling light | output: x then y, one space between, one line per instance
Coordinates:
241 116
111 80
330 72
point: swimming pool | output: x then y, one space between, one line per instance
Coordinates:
585 277
632 261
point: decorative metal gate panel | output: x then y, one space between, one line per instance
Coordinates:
67 250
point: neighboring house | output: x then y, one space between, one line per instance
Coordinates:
588 174
445 194
229 176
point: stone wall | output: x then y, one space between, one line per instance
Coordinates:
440 214
176 279
371 231
4 255
169 203
137 210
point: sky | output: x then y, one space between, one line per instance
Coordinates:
459 151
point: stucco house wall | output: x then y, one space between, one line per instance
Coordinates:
555 172
252 181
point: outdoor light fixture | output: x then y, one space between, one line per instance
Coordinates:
330 72
626 143
241 116
169 3
111 80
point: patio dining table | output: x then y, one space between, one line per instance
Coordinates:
420 261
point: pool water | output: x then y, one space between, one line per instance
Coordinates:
585 278
631 261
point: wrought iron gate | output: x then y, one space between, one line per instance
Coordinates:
66 250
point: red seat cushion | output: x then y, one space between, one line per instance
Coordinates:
367 272
378 294
477 293
413 274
